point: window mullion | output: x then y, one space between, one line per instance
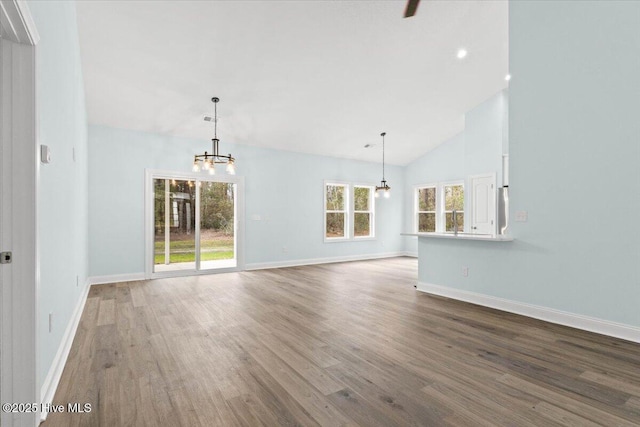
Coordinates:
349 213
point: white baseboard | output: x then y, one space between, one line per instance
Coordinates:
50 384
313 261
115 278
130 277
410 254
591 324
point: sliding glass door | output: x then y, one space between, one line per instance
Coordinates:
217 225
174 225
194 223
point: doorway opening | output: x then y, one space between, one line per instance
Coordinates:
194 223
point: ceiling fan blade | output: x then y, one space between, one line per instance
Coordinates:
412 6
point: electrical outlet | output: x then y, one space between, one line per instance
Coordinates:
465 271
50 322
285 250
77 281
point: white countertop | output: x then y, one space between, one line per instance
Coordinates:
463 236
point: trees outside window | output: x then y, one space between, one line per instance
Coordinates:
349 211
453 201
426 209
336 196
362 211
434 206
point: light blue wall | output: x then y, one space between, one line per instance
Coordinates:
476 150
485 137
284 188
62 194
574 139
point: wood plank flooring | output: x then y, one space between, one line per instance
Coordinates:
337 344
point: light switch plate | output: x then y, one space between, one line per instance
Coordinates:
522 216
45 154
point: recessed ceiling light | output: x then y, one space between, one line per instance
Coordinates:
507 77
461 53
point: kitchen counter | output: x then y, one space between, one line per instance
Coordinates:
462 236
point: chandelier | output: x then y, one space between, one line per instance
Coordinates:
383 188
209 160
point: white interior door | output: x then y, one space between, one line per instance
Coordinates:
18 210
483 204
5 228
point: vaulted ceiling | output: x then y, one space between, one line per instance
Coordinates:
322 77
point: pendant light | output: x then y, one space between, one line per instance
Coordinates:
209 160
383 188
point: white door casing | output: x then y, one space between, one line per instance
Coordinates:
483 204
150 175
18 213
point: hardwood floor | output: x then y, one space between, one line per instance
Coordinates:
337 344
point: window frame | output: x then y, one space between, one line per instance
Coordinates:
371 211
196 177
349 211
440 205
416 206
443 211
345 211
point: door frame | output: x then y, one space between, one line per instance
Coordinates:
493 177
19 212
150 174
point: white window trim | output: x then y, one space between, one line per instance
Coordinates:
349 212
347 222
150 175
416 204
371 211
440 211
443 212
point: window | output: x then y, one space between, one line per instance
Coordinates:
434 206
349 212
336 202
426 209
362 211
453 201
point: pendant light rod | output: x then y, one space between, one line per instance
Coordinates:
215 142
215 101
210 160
382 135
384 187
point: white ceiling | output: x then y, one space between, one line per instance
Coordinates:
322 77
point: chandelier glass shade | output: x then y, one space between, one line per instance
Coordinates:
208 161
383 188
